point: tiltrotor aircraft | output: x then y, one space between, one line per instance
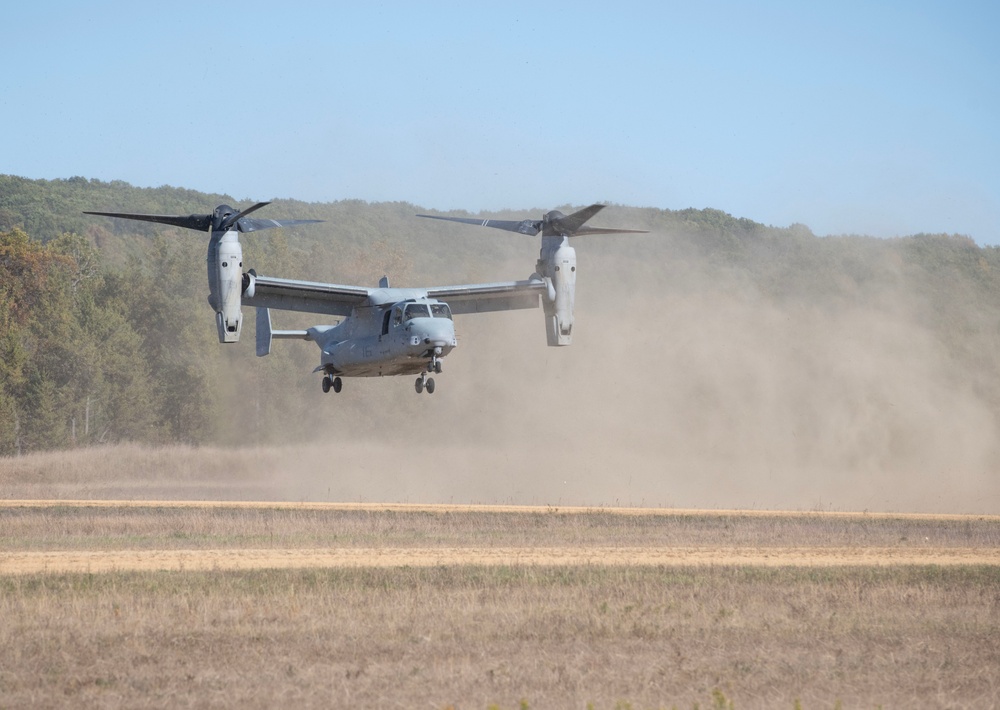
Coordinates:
384 331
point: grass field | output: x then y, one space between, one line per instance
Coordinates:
606 633
474 637
191 603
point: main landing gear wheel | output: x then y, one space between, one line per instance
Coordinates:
338 384
424 382
326 383
332 382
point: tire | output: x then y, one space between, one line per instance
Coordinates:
419 385
338 384
430 385
326 383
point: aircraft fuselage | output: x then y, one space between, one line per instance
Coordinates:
403 338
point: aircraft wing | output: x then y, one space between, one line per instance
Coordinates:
340 300
484 298
305 296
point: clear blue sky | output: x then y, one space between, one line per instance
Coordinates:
877 118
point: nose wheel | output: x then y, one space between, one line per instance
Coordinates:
334 383
427 383
424 383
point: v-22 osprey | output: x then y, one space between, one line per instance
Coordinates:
383 331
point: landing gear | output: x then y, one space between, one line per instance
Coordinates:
424 382
332 382
427 383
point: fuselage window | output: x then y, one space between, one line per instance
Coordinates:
397 316
440 310
417 310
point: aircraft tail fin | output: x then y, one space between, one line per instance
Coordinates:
265 333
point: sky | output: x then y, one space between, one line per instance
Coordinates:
876 118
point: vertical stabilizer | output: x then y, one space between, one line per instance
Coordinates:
263 332
266 334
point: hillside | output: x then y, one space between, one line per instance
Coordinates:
712 343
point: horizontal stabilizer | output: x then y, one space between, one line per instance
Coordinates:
291 334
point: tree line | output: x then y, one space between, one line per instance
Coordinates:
106 336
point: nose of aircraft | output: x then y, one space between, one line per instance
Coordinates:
438 332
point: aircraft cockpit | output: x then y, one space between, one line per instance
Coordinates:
403 312
415 310
440 310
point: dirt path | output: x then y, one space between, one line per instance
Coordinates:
58 561
146 560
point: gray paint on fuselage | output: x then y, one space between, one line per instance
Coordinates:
358 348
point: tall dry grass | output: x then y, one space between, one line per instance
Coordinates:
207 527
130 471
474 637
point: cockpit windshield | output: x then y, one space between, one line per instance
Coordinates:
422 310
416 310
440 310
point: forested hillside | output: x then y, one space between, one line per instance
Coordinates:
713 334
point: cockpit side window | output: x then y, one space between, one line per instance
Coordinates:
397 316
440 310
417 310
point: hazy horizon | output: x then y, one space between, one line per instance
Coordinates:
851 119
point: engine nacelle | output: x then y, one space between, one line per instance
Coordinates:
557 264
225 283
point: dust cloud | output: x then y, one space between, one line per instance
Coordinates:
686 386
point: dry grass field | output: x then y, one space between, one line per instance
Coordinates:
186 603
539 631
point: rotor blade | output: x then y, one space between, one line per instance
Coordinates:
583 231
570 224
248 224
227 224
530 227
199 222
